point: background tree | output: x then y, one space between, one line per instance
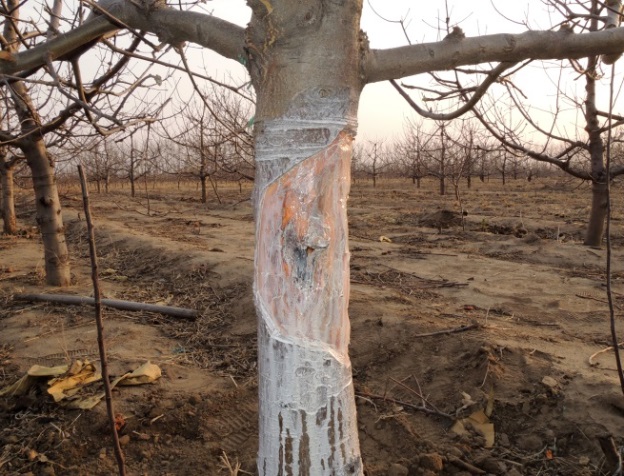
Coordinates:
101 161
8 164
579 157
33 136
409 152
214 140
374 159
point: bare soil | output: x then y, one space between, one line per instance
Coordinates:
496 311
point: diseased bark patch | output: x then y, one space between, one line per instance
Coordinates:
302 255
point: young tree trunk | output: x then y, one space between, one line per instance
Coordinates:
49 216
442 162
8 199
132 182
48 204
598 214
204 188
305 124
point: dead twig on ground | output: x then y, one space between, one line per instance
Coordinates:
425 402
232 468
465 466
100 328
596 354
612 455
455 330
591 298
365 238
419 408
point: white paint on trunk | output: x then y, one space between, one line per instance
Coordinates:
308 423
308 412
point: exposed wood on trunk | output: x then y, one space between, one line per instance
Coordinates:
114 303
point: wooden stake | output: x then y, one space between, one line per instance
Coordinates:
98 322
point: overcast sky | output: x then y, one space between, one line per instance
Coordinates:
382 111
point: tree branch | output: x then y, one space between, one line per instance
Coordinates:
170 25
492 77
563 164
405 61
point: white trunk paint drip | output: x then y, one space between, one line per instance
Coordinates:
308 421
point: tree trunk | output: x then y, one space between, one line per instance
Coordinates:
598 214
49 216
8 200
204 192
132 171
48 204
442 162
305 124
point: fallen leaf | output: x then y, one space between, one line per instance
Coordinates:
120 421
146 373
480 423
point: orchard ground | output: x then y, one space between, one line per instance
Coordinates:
525 301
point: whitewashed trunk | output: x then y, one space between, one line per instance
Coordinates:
308 90
307 411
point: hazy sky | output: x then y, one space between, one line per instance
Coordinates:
382 111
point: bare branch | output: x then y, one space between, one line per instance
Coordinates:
405 61
171 26
479 92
